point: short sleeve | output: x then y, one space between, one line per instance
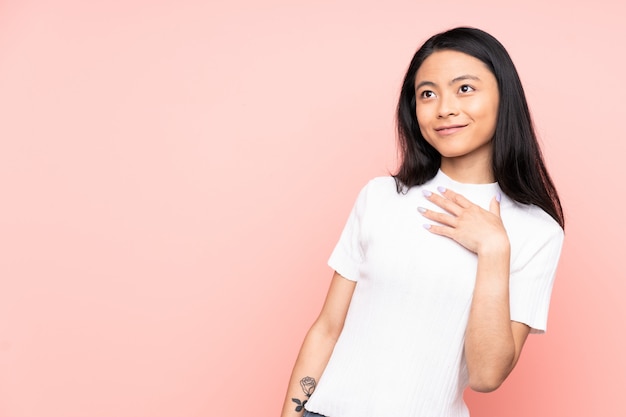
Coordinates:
532 280
347 256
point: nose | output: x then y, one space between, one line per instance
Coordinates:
448 106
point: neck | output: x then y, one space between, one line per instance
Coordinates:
468 172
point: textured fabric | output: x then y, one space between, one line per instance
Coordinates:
401 350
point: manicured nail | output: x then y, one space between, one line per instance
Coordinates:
498 197
421 209
441 189
426 226
426 193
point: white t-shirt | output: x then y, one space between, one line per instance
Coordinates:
400 353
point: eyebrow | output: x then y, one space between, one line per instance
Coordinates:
455 80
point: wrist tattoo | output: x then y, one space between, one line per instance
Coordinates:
308 385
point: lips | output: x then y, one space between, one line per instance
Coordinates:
448 130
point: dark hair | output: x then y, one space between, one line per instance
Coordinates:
517 162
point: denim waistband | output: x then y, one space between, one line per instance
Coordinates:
308 413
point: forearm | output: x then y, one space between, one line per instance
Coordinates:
490 349
312 359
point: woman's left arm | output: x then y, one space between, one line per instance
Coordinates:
493 342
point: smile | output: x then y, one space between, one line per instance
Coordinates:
448 130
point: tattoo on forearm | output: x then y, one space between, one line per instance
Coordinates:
308 386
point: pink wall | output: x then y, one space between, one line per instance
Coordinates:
174 174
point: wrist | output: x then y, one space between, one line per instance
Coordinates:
499 247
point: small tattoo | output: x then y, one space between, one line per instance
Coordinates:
308 385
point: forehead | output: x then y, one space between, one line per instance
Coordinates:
447 65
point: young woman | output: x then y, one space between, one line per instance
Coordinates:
444 269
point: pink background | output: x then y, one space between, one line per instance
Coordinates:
174 175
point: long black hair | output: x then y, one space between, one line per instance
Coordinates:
517 162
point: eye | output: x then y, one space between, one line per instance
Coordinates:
465 88
427 94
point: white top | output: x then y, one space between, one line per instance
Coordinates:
400 353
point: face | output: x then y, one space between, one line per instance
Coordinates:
456 104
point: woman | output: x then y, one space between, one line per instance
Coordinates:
444 269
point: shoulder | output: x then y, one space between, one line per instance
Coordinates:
379 187
532 225
376 193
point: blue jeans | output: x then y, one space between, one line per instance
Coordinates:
311 414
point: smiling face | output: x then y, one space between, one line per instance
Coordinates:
456 104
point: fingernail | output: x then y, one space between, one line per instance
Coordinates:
426 193
498 197
441 189
421 209
426 226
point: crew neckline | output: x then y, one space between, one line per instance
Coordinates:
480 194
442 175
